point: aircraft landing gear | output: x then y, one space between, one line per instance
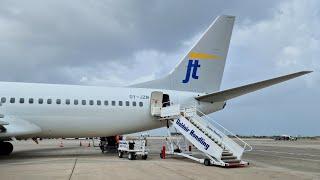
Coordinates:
109 144
6 148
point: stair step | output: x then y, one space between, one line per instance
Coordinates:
239 164
234 165
227 154
231 161
228 157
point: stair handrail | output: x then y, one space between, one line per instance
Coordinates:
167 102
226 130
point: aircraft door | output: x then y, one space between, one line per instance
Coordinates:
165 100
156 102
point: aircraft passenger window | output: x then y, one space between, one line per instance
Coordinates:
58 101
76 102
67 101
127 103
98 102
113 103
49 101
140 104
134 103
106 103
21 100
30 100
91 102
3 100
12 100
120 103
84 102
40 101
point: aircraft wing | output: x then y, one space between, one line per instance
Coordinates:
239 91
12 126
2 124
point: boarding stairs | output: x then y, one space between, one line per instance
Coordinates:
219 145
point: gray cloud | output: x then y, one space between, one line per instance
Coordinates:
53 36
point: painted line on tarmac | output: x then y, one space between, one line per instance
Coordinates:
303 159
74 165
298 154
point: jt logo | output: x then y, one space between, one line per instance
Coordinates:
192 65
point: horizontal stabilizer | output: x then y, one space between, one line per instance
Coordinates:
238 91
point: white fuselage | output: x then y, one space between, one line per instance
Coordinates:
78 120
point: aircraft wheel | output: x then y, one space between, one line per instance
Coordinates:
6 148
207 162
131 156
144 157
120 154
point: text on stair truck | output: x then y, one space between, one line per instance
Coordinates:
201 140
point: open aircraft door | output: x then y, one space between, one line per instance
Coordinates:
156 103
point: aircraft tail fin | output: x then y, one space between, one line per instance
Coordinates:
201 70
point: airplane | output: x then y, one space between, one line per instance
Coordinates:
32 110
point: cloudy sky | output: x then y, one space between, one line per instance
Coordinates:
115 43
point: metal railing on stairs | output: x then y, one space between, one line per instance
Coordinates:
230 140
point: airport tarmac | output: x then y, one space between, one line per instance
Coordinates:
269 160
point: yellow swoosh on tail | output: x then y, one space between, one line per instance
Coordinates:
195 55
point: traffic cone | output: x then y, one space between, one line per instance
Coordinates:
61 144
